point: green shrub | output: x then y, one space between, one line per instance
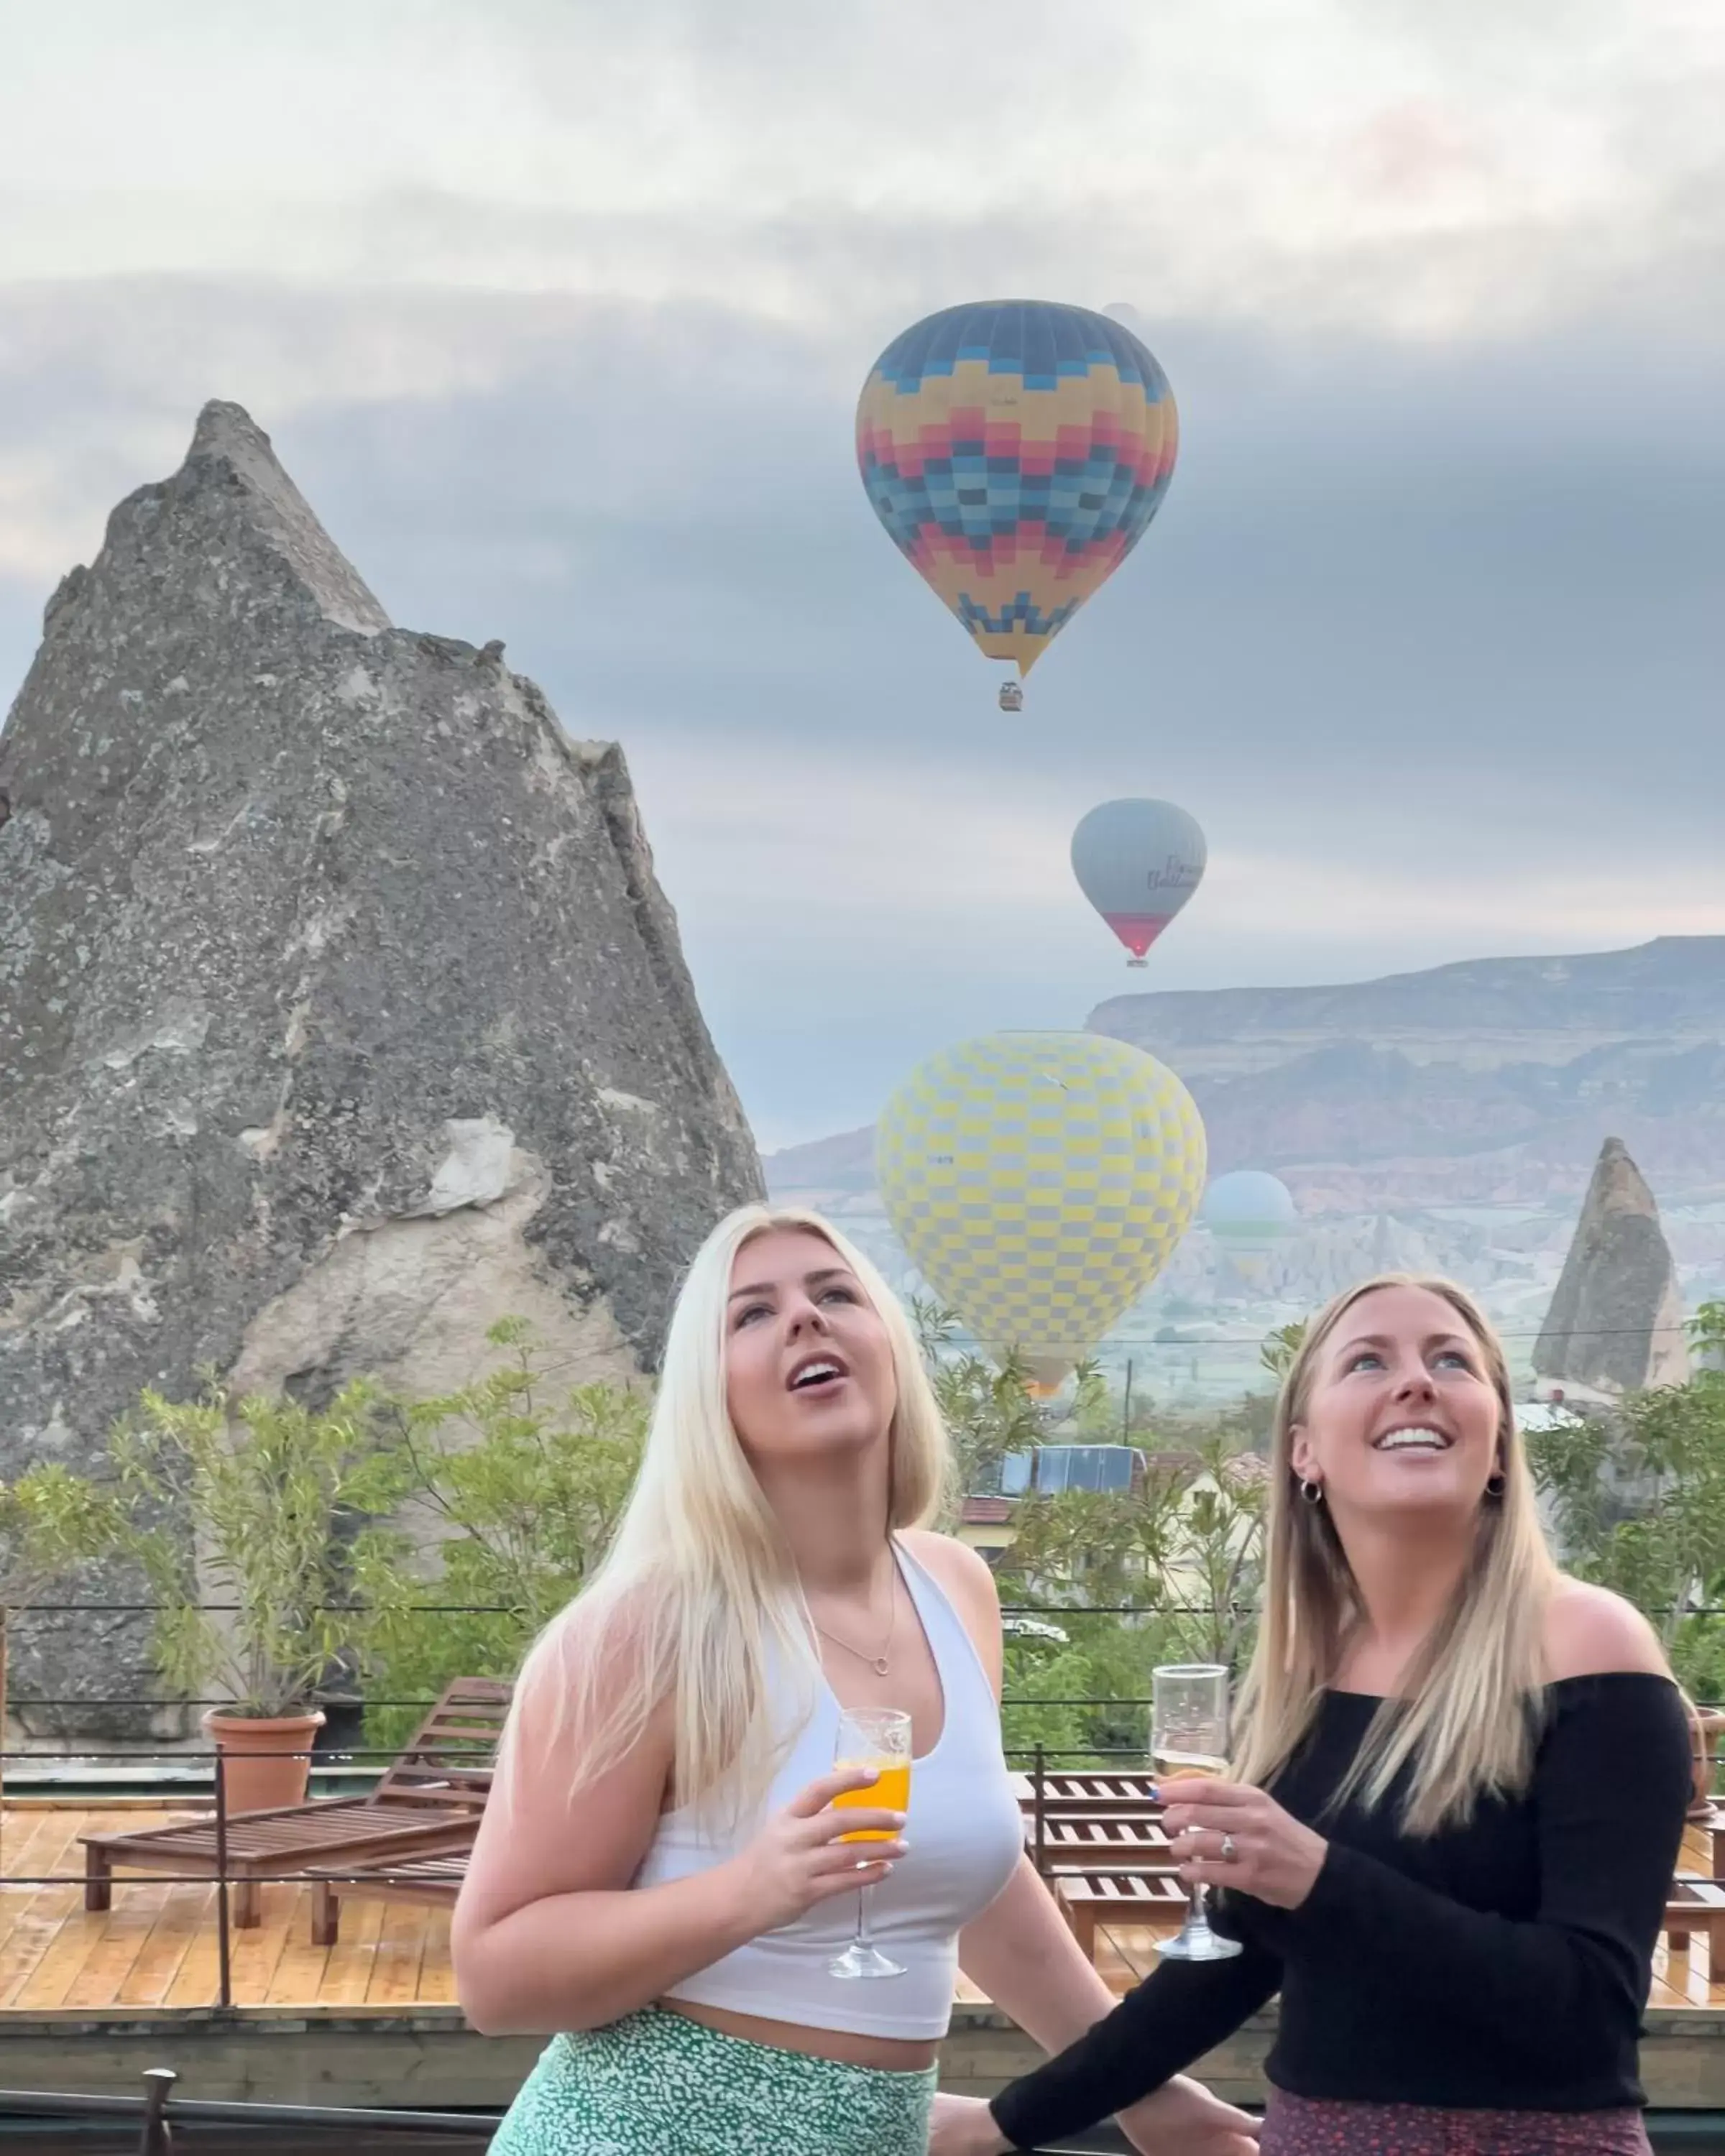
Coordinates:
505 1494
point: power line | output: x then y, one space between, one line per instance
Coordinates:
1251 1340
1258 1339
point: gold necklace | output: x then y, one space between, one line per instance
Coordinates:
878 1663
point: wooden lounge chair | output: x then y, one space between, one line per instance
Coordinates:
435 1880
1063 1795
1697 1904
1118 1897
1105 1800
429 1799
1146 1897
1708 1827
1118 1844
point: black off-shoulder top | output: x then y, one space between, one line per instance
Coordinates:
1503 1965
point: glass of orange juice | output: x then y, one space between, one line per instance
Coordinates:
879 1739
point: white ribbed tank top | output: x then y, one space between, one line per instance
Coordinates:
965 1835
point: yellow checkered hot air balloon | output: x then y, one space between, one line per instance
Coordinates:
1040 1182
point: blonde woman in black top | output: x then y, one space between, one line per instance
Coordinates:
1459 1801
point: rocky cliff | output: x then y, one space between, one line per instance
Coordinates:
1489 1083
1615 1322
1486 1083
339 1009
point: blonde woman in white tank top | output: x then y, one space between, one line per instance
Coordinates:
658 1882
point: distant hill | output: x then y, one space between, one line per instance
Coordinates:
1491 1082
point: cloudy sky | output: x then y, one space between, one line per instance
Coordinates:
558 311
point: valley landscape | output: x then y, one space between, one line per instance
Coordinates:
1447 1120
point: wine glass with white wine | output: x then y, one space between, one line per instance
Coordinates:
1188 1735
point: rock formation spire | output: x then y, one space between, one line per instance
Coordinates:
341 1010
1615 1322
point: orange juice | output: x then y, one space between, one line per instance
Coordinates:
889 1792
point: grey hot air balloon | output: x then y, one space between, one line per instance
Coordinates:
1137 862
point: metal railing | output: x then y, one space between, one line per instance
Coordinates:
159 2110
356 1760
160 2107
224 1877
88 1705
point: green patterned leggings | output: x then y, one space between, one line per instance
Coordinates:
657 2084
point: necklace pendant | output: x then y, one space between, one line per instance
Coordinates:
879 1666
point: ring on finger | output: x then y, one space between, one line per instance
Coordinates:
1229 1850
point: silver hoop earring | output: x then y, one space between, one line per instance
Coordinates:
1312 1492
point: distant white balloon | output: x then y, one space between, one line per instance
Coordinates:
1137 862
1122 311
1250 1213
1249 1209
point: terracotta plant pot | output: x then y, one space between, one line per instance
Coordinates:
1709 1733
258 1770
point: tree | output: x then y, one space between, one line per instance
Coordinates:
1185 1544
1279 1348
505 1499
1168 1571
987 1406
1219 1556
1079 1549
1637 1497
1081 1695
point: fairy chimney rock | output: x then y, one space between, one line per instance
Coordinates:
341 1011
1615 1323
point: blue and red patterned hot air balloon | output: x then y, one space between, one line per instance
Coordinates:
1016 451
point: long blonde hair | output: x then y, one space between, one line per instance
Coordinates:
1467 1724
699 1588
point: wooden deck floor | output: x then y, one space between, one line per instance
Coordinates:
156 1949
157 1946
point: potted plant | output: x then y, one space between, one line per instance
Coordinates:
245 1529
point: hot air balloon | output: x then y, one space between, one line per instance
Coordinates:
1040 1182
1137 862
1016 452
1249 1212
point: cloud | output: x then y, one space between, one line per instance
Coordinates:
558 313
1427 638
1298 162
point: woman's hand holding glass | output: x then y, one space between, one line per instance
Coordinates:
799 1858
1229 1834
